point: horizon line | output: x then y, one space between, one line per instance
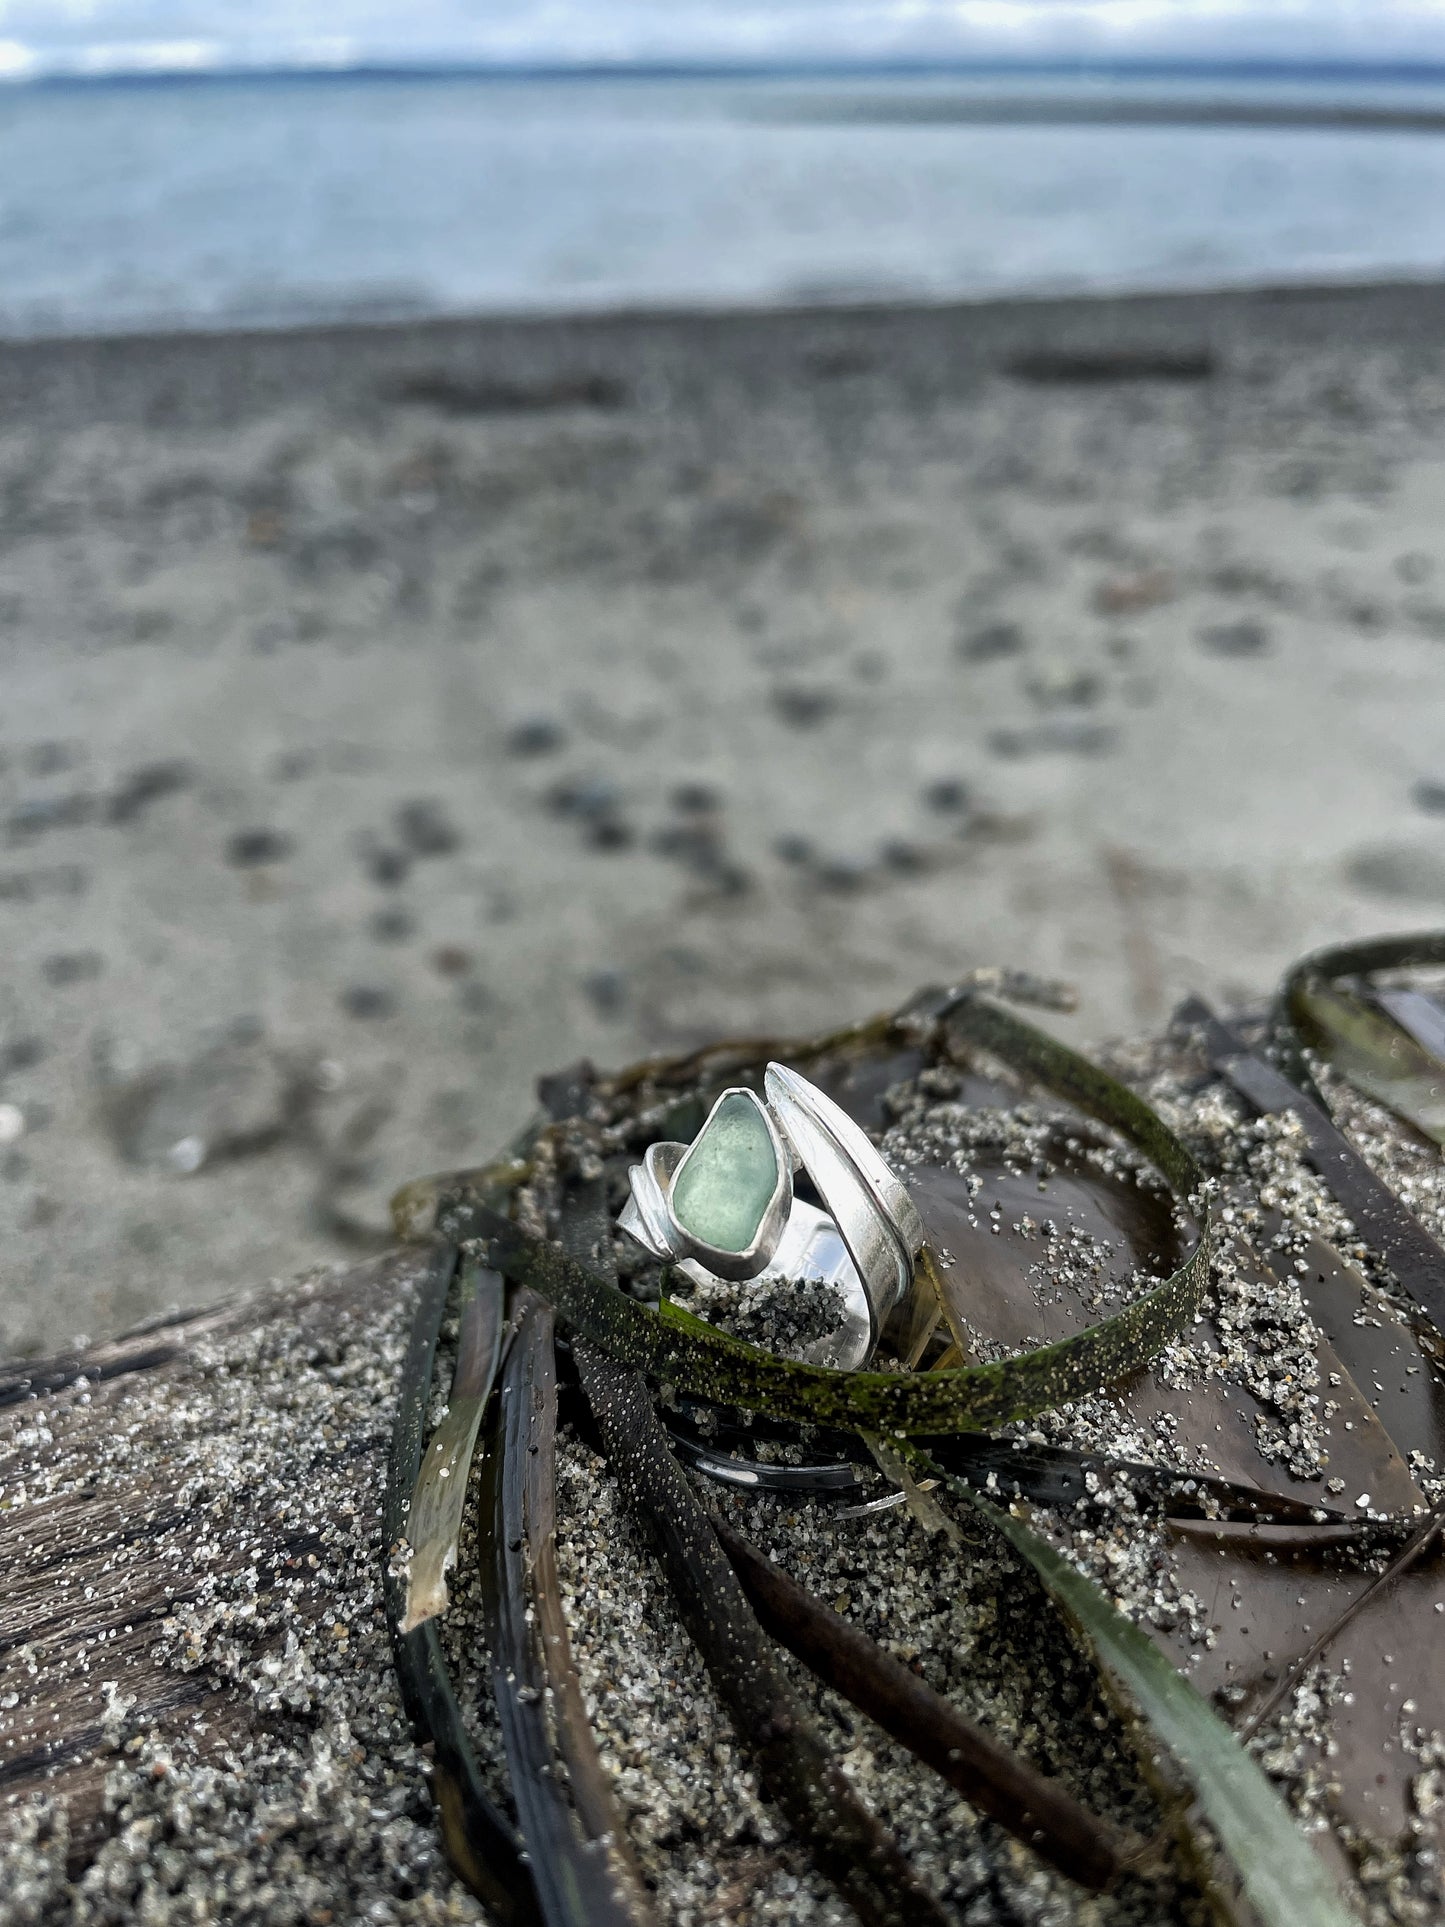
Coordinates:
1086 67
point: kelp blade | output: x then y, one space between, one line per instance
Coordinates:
1374 1053
1283 1878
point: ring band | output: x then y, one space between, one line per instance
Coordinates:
723 1206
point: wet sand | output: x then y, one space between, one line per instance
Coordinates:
388 715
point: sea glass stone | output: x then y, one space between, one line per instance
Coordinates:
726 1182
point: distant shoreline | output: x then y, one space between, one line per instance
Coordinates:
1121 72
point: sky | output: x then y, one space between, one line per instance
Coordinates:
177 35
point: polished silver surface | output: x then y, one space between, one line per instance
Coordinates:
863 1242
875 1215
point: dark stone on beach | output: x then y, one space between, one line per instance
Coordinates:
71 967
586 797
1246 638
904 858
1429 796
535 736
451 960
36 814
606 991
843 874
1061 685
803 705
698 844
392 925
609 833
989 644
426 829
792 847
596 804
695 799
948 795
1414 568
146 785
368 1001
248 848
22 1054
385 866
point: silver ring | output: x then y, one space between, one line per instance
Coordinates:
723 1206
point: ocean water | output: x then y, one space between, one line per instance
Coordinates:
268 202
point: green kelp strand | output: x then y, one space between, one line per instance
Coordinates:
676 1347
1283 1878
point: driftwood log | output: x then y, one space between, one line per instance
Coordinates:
191 1606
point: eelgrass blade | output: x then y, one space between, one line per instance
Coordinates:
1054 1475
1377 1055
1282 1877
1422 1540
438 1499
582 1878
1379 1216
480 1843
846 1840
1033 1806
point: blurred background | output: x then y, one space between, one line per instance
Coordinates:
545 529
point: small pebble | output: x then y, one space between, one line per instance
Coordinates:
606 990
386 867
392 925
451 960
803 706
248 848
146 785
905 858
12 1123
1247 638
792 847
425 828
695 799
368 1001
535 736
946 794
1429 796
993 641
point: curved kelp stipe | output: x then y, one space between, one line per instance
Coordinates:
480 1842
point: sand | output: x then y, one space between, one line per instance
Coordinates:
388 715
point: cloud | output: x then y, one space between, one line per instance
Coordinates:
151 35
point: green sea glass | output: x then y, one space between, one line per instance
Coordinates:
726 1182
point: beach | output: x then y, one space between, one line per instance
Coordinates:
391 714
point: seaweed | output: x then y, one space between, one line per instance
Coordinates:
575 1841
930 1425
1032 1805
480 1842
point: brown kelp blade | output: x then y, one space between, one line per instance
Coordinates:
573 1832
434 1520
480 1842
1033 1806
1377 1054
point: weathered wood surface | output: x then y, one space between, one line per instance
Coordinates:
221 1463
